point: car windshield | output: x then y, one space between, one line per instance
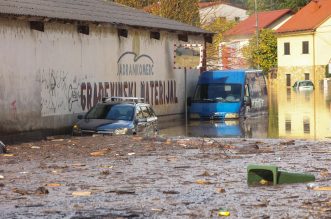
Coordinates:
306 83
111 112
218 93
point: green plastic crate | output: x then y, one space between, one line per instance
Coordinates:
259 175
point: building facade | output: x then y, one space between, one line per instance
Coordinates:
59 63
209 11
304 44
235 39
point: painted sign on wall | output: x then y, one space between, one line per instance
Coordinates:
65 93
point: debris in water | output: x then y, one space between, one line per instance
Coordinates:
202 182
3 149
170 192
220 190
223 213
105 172
35 147
53 185
20 191
81 193
58 140
41 191
97 153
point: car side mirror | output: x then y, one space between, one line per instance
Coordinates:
189 101
247 101
80 117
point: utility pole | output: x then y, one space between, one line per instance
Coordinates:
257 31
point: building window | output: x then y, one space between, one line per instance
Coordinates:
305 47
286 48
288 125
306 76
306 125
288 80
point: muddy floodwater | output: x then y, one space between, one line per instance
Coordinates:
291 115
158 177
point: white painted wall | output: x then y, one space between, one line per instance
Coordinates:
296 58
44 76
323 43
209 14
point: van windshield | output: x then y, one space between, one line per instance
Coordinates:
218 93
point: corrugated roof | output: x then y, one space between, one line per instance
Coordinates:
248 26
92 11
309 17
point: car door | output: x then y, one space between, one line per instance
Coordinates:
153 120
150 120
141 121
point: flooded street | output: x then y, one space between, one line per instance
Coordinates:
139 177
176 176
291 115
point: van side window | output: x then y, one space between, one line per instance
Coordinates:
246 90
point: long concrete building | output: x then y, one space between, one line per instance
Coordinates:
60 57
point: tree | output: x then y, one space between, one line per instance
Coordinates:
269 5
136 3
218 26
185 11
265 54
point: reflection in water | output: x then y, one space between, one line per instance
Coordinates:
291 114
306 116
251 128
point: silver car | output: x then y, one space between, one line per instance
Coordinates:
118 116
303 85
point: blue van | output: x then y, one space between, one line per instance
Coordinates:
228 94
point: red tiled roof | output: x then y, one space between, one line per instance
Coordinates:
309 17
266 18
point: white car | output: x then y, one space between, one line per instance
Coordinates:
303 85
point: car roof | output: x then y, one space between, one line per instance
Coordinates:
124 103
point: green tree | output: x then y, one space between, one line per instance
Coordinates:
269 5
185 11
218 26
136 3
265 54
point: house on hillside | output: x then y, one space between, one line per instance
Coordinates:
304 44
59 58
209 11
238 37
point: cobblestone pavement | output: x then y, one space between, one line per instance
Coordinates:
159 177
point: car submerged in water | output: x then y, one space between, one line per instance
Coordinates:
118 116
305 85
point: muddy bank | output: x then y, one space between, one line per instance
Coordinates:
136 177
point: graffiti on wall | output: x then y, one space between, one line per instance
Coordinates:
59 93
